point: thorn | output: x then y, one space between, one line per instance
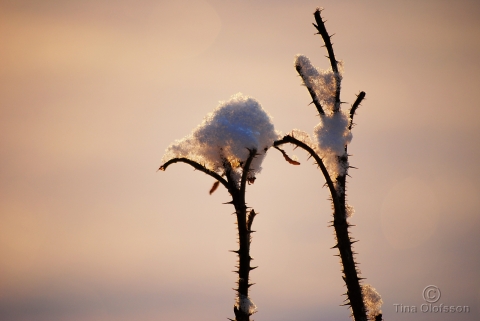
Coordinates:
253 267
336 246
231 202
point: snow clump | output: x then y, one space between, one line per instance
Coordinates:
323 82
332 134
227 134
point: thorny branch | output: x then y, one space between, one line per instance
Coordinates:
314 96
337 189
196 166
244 223
320 26
355 105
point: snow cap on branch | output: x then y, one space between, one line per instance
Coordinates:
323 82
331 135
227 134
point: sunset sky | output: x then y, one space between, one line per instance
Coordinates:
93 92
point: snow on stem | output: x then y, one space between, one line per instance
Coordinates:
229 145
329 149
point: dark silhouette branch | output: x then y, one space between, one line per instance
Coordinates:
326 39
196 166
320 26
355 105
246 169
244 221
337 189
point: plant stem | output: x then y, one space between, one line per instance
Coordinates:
244 224
340 225
344 245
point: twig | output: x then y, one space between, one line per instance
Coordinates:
320 26
196 166
355 105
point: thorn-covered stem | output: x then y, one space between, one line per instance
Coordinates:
344 245
246 169
311 91
320 26
326 39
244 225
355 105
244 221
196 166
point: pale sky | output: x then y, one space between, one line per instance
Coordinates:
93 92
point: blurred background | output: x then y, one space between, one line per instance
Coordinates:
92 92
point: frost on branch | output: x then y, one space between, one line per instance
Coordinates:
227 134
373 301
349 210
323 82
332 134
303 137
245 304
